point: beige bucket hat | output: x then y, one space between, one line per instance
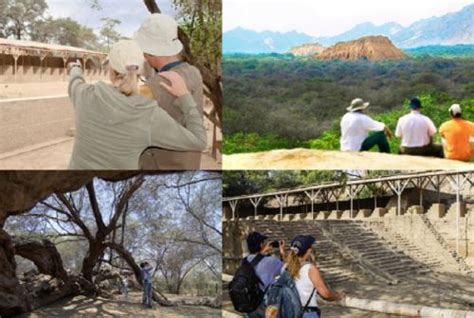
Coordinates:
125 56
357 104
158 36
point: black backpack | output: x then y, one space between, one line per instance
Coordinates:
244 289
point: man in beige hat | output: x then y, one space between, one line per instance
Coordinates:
355 128
158 38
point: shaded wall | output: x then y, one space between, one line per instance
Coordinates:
52 69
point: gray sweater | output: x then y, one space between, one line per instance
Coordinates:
112 130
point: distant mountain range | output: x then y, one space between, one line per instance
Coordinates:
449 29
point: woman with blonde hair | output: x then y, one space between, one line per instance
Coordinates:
308 280
114 124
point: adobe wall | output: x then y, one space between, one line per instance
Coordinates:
42 119
30 70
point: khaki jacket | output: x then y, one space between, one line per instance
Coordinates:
154 158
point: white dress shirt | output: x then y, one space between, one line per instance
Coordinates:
355 128
415 130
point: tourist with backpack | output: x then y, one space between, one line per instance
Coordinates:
257 272
294 294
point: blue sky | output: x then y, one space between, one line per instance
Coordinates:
328 18
130 12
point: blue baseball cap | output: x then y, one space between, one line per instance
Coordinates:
254 240
415 103
301 243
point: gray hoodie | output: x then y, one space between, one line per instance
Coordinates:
112 130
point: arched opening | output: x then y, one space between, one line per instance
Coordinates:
7 68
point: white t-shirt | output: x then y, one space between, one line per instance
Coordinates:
355 128
415 130
305 286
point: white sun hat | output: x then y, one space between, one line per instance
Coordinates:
455 109
357 104
125 56
158 36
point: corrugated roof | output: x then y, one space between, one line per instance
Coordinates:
6 45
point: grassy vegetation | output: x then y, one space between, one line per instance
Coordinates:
274 102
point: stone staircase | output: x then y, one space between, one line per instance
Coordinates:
347 249
334 267
459 260
374 250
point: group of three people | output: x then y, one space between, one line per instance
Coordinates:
125 124
415 130
300 265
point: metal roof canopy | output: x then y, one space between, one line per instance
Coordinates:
15 47
457 180
353 182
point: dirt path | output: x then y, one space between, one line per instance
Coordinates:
325 159
81 306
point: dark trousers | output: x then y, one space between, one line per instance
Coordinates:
431 150
376 139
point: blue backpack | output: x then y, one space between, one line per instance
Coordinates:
284 296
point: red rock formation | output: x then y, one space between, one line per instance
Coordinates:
374 48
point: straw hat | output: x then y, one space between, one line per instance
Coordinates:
357 104
158 36
125 56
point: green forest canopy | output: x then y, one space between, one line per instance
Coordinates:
275 102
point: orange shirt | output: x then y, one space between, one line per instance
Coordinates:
457 133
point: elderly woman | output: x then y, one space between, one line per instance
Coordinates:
115 124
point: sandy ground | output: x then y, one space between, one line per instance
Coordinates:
55 154
82 306
325 159
23 90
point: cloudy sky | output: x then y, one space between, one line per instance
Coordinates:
130 12
327 18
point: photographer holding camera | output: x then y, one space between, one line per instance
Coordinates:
257 272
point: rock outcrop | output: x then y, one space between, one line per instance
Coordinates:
374 48
309 49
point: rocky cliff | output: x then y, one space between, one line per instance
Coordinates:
307 49
374 48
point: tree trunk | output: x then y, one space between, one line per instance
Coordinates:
96 250
42 253
13 299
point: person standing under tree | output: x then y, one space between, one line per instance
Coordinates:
146 270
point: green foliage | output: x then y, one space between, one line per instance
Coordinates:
252 142
64 31
202 22
108 32
17 18
435 106
274 102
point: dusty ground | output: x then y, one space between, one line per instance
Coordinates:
23 90
82 306
325 159
55 154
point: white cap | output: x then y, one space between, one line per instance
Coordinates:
455 109
126 55
158 36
